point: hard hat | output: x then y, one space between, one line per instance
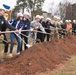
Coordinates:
66 21
58 18
48 19
42 17
74 20
61 21
55 17
70 21
26 13
38 16
19 14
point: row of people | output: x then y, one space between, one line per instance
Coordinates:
69 27
37 29
22 22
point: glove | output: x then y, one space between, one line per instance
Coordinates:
31 29
36 28
20 30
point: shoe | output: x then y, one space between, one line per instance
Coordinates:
10 55
18 53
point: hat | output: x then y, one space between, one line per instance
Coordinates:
66 21
74 20
61 21
48 19
38 16
55 17
70 21
42 17
19 14
58 18
4 7
26 13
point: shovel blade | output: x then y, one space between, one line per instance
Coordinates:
28 45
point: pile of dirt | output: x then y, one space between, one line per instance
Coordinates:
41 57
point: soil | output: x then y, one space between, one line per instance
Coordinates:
41 57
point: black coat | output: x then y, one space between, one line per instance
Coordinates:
74 26
26 26
48 27
4 24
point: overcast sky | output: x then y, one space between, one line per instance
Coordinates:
11 3
47 3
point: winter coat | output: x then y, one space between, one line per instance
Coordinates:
14 23
26 26
4 24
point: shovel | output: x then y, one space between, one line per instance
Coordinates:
28 45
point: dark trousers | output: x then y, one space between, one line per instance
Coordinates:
48 37
5 44
41 36
74 32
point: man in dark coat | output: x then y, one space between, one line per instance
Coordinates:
3 26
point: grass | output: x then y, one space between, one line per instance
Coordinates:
2 49
68 69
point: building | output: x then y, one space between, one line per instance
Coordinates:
46 14
71 11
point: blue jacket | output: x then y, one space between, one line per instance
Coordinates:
14 23
26 26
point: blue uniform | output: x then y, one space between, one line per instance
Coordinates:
17 25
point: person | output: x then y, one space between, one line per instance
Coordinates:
48 25
41 35
26 26
35 25
74 27
3 26
18 24
69 27
61 31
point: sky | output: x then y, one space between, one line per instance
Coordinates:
46 5
11 3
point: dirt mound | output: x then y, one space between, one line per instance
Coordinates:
41 57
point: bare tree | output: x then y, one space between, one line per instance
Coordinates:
34 5
61 9
51 7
